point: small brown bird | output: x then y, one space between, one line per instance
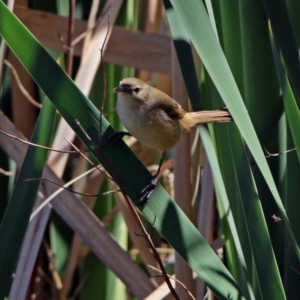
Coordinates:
156 119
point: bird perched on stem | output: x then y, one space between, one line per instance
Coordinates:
156 119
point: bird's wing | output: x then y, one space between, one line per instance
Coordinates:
171 107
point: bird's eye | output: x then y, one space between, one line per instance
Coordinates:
137 89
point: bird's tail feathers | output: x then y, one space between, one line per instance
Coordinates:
202 117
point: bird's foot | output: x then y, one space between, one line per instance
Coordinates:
115 137
147 191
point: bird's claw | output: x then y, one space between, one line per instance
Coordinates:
115 137
147 191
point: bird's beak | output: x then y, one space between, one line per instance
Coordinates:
118 89
123 88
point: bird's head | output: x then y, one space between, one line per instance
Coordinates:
134 88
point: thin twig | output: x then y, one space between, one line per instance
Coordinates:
111 192
82 129
20 85
70 46
39 146
104 75
49 199
85 33
279 153
295 270
80 126
78 151
173 278
81 36
269 155
61 186
151 245
6 173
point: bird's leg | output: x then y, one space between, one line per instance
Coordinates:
148 190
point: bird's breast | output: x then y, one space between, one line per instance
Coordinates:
152 127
